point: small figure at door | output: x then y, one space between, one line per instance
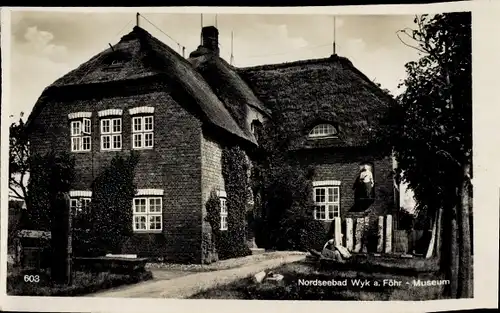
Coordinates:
366 178
364 188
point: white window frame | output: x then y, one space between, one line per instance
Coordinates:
111 134
80 132
147 214
223 213
323 131
328 203
76 204
141 132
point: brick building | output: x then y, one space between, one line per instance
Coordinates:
179 113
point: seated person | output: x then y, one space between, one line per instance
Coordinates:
335 252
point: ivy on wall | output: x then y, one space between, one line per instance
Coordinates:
50 175
231 243
111 215
285 194
211 242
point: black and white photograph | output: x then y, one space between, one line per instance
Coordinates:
240 156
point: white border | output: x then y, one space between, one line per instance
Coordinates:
486 191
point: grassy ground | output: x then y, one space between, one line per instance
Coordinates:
290 289
83 283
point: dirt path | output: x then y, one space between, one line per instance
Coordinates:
186 286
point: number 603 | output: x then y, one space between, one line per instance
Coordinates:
31 278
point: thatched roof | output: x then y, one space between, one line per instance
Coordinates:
227 85
303 93
329 90
146 56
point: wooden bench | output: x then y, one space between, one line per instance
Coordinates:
110 264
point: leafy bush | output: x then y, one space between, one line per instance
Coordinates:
83 242
50 175
112 194
234 171
230 243
284 189
213 218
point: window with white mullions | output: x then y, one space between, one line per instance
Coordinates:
80 209
323 130
147 214
223 213
79 205
111 134
326 202
81 135
142 132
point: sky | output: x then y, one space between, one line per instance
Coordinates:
47 45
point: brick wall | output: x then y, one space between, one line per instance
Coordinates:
211 180
211 165
173 165
343 165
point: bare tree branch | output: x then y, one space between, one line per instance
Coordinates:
408 45
449 156
16 193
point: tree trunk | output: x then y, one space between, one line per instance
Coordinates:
432 242
439 236
61 239
450 257
464 271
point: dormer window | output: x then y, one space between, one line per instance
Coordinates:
116 63
116 59
323 131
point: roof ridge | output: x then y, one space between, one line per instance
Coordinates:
332 58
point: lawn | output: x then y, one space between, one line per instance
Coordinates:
290 289
83 283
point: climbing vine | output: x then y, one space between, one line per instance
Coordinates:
211 241
285 188
231 243
112 194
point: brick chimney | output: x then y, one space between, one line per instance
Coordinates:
210 38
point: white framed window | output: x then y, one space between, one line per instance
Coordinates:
223 213
142 132
81 135
80 210
147 214
79 205
326 202
323 130
111 133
